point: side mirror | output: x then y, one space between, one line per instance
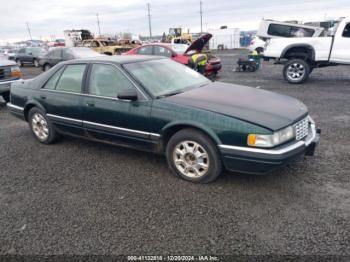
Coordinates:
129 94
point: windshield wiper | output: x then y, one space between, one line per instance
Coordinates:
169 94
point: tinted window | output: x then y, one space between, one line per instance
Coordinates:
146 50
289 31
346 32
51 84
106 80
162 51
71 79
22 51
28 51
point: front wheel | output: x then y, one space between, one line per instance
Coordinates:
41 127
192 156
47 67
296 71
6 97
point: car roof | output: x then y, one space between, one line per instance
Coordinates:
120 59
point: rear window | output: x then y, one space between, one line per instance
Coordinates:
289 31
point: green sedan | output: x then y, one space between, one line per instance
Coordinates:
157 105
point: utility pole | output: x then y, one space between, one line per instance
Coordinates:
149 19
98 23
201 12
30 34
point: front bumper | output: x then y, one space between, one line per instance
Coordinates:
5 86
260 161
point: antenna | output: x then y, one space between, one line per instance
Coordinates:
98 24
201 13
30 34
149 19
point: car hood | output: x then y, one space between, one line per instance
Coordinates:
261 107
199 44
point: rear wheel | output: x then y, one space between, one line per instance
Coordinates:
296 71
47 67
193 156
6 97
36 62
41 127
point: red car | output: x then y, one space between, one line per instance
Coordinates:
180 52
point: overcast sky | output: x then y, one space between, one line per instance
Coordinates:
50 17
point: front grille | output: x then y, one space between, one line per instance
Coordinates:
301 128
5 72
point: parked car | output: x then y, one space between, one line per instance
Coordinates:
301 55
58 55
29 55
106 47
9 72
11 53
158 105
181 53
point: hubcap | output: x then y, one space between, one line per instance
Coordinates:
39 126
295 71
191 159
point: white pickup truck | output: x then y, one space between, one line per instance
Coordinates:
301 55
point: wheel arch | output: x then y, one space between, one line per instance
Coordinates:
29 105
170 129
298 50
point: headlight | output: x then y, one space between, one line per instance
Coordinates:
275 139
15 71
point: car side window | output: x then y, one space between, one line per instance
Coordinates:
162 51
22 51
95 44
107 80
145 50
28 51
71 78
51 84
346 32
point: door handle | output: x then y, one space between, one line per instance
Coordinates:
43 96
90 103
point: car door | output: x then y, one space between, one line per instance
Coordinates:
28 56
62 98
340 52
108 118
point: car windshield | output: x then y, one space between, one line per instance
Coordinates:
165 77
83 52
179 48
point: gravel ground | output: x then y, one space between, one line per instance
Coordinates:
81 197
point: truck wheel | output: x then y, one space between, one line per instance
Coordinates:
193 156
6 97
296 71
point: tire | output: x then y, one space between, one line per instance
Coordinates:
19 62
41 127
46 67
260 50
296 71
6 97
200 164
36 62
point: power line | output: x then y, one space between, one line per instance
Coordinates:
30 34
149 19
98 24
201 12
